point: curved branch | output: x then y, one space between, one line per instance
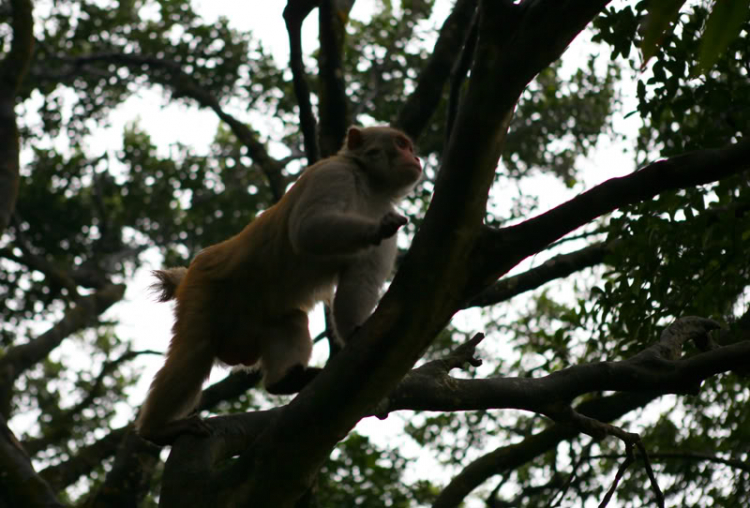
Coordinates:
552 269
295 13
502 249
171 75
421 104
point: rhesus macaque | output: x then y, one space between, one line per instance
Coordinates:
245 301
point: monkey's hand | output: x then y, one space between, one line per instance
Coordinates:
389 224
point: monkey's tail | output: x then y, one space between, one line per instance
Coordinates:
176 389
166 282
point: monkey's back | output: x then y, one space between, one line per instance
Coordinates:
256 275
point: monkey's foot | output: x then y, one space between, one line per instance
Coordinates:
170 432
294 380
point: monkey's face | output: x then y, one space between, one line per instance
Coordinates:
388 155
404 157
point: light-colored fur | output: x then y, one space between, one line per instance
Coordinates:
245 301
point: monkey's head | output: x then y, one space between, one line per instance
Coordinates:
387 157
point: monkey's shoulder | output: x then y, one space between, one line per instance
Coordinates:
338 182
336 169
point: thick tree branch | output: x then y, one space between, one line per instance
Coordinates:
655 371
502 249
295 13
565 18
20 485
129 479
190 475
421 104
658 369
13 69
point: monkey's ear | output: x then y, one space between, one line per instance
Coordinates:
354 138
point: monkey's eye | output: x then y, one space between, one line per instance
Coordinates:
402 143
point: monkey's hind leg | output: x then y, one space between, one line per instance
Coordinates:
175 392
286 350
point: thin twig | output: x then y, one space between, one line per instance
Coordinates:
620 472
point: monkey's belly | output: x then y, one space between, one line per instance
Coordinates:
238 346
236 351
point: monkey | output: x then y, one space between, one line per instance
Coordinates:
245 301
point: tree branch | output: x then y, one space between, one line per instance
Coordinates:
20 484
129 479
84 313
13 69
458 75
421 104
83 462
508 458
67 417
295 13
170 74
499 250
656 370
554 268
334 106
738 464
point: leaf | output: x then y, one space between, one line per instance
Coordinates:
723 25
660 15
